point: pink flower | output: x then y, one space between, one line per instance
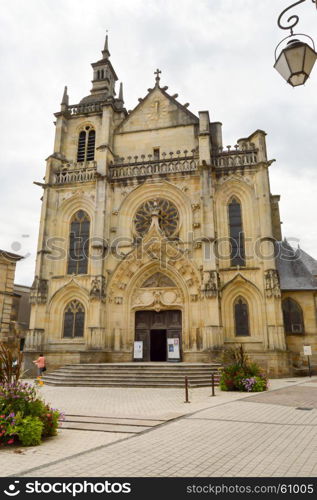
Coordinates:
11 441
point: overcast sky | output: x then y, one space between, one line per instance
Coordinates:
216 54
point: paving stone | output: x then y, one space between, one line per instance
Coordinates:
225 436
292 396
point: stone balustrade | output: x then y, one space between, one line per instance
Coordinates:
234 158
80 109
142 166
75 172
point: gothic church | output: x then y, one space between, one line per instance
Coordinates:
157 243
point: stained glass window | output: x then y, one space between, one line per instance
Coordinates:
168 216
241 316
78 243
293 317
74 320
237 254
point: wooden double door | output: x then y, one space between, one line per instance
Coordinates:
160 334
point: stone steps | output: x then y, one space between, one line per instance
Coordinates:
133 375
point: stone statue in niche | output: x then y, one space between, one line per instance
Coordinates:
210 284
98 286
39 291
272 283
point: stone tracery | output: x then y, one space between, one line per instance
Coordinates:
167 215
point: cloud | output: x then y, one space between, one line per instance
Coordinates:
218 55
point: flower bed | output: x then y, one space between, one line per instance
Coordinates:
24 417
239 374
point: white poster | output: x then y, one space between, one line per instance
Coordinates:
173 348
138 349
307 350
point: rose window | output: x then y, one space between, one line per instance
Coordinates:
167 216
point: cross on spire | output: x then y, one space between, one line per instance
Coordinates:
157 78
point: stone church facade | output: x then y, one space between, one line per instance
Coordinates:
158 243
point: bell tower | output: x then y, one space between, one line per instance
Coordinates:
104 76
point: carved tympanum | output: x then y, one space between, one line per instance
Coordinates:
158 280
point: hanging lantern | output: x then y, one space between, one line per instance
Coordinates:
295 62
297 59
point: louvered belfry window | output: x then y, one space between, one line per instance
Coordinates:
86 145
237 254
293 317
241 316
91 145
74 320
78 243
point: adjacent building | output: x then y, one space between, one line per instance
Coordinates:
14 303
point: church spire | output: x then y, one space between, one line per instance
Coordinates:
105 51
121 92
104 77
65 100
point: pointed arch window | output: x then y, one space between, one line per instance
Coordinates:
293 317
78 243
241 318
74 320
237 253
86 145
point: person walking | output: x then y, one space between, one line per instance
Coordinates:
40 363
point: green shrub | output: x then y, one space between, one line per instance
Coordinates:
7 428
36 408
229 376
48 416
242 380
29 430
50 419
24 416
226 383
16 397
254 370
238 381
261 384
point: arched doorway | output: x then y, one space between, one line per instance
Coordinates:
158 335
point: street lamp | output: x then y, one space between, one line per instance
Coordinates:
297 59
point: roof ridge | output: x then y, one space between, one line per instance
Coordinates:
173 99
313 268
293 271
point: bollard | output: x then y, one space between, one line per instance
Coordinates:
186 391
212 384
309 367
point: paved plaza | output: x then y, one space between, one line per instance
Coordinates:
152 432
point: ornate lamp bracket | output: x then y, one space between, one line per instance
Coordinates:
292 20
296 60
